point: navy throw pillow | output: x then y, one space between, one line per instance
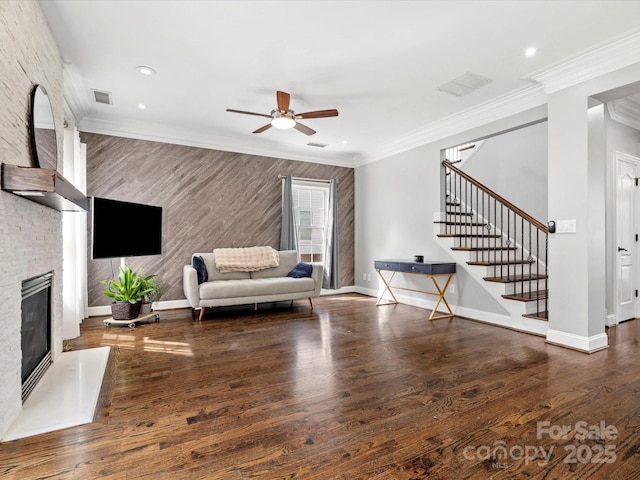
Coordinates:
301 270
201 268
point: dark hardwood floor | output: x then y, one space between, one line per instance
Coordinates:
346 391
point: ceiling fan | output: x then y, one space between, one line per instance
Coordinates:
283 117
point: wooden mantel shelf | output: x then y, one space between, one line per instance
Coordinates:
45 186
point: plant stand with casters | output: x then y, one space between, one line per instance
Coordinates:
133 323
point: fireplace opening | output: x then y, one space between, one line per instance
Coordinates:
35 330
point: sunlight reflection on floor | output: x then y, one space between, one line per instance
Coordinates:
123 341
176 348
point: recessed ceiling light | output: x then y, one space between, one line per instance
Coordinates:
344 142
530 52
142 106
146 70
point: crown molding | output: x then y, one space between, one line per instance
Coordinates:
606 58
518 101
170 134
69 114
73 101
626 112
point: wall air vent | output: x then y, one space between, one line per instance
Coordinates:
102 97
464 84
319 145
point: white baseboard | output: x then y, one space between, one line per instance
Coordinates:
578 342
470 313
338 291
425 303
99 311
611 320
371 292
163 305
173 304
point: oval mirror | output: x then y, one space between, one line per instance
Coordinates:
44 142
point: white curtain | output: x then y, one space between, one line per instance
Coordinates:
74 239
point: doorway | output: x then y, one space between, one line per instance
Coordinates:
626 237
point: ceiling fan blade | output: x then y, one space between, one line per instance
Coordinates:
304 129
283 101
262 129
248 113
318 114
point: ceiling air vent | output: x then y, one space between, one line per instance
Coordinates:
319 145
464 84
102 97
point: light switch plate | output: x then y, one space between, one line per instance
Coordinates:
566 226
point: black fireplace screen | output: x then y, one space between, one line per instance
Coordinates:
36 330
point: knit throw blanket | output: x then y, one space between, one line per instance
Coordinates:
246 259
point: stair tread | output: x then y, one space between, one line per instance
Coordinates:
464 224
527 296
500 263
449 212
467 235
538 316
479 249
516 278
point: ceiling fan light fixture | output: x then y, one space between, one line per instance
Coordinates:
283 121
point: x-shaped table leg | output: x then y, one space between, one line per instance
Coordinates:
387 287
441 292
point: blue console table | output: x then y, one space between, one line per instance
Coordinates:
433 270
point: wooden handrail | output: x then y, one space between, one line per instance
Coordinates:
541 226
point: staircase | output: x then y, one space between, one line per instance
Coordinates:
499 245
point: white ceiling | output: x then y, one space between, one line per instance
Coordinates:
378 62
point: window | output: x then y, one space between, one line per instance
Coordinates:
310 205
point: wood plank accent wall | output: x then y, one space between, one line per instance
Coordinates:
210 199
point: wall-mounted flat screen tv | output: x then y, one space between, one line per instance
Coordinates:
124 229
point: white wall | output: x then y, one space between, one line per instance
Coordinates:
396 198
514 165
578 187
395 201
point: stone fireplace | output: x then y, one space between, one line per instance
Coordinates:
30 234
30 244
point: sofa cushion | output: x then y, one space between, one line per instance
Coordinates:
288 260
255 287
301 270
201 268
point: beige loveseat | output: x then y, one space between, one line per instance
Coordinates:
240 288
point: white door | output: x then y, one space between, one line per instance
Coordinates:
626 273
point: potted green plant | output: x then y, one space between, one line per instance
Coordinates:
153 284
126 291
